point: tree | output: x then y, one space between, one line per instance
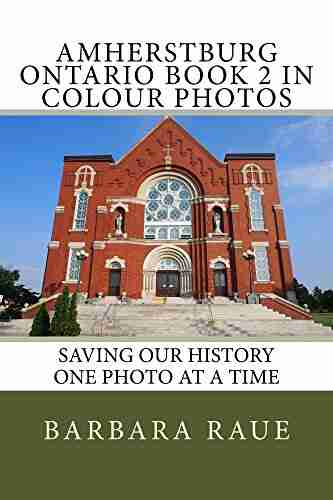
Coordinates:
8 279
317 295
72 327
41 324
327 301
17 295
64 321
302 293
61 310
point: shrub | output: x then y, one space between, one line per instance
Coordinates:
72 327
58 322
64 321
41 324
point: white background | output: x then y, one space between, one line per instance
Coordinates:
33 33
303 366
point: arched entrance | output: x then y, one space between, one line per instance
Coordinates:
168 278
167 272
220 280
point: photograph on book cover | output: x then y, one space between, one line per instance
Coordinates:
166 227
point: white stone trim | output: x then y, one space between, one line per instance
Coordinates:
284 243
130 199
91 173
244 172
86 190
225 261
99 245
234 208
59 209
54 244
213 199
198 199
277 206
217 204
117 259
151 266
76 244
119 204
145 185
237 244
219 236
253 186
260 243
102 209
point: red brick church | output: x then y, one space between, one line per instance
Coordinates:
169 219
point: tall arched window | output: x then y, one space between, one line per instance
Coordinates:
256 210
168 211
85 176
262 265
74 266
81 208
252 174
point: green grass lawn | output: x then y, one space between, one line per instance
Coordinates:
325 319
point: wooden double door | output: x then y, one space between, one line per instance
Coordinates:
167 283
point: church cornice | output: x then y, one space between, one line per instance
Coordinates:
108 158
249 156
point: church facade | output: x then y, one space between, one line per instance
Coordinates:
169 220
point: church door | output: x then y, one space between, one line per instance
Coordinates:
167 284
220 281
114 283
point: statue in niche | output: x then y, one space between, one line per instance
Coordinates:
217 222
119 224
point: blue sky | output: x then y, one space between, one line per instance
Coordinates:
31 159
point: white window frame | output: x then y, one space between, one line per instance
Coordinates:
262 275
252 168
71 253
77 195
88 173
253 222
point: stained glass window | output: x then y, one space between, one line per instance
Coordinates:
168 211
261 262
219 265
81 211
256 210
168 264
74 266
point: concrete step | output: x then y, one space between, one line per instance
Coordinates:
172 320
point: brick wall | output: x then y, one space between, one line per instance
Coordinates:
215 181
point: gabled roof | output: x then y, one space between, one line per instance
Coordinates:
166 122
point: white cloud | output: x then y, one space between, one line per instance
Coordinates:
314 131
311 177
